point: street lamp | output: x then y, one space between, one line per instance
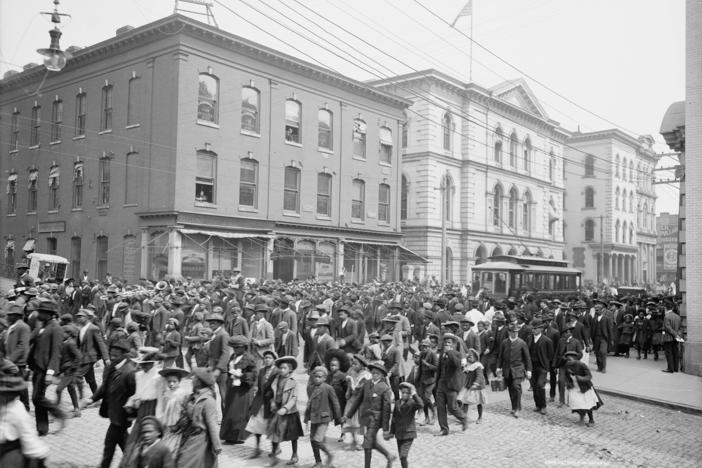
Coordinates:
55 58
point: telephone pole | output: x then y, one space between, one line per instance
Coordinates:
442 188
601 276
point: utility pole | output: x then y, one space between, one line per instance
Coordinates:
601 249
442 188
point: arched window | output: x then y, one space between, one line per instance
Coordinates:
589 197
631 201
403 198
480 253
512 215
359 138
513 150
208 98
631 234
448 197
624 232
293 121
78 177
497 206
106 111
616 198
589 165
624 169
526 212
551 167
325 127
624 200
512 251
527 155
616 166
497 251
447 126
498 146
250 109
617 229
135 100
589 230
631 171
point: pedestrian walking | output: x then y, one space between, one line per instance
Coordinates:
285 423
241 382
322 408
514 366
582 397
403 426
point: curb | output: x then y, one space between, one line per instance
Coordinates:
697 411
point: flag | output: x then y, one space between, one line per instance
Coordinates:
466 11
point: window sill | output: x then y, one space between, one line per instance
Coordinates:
291 214
205 123
293 143
212 206
79 137
33 147
11 215
130 205
103 207
383 163
132 126
323 217
384 223
325 150
77 210
105 132
250 133
52 212
57 142
588 208
357 221
248 209
359 158
31 213
14 151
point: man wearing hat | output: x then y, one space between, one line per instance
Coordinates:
541 352
262 335
347 331
514 363
602 335
448 383
118 384
45 358
92 347
172 341
671 333
426 379
323 342
468 335
17 345
309 332
219 353
391 356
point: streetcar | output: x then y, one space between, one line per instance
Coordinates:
511 275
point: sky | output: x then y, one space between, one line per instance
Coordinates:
593 64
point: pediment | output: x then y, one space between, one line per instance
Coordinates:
517 93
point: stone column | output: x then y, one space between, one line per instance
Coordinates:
339 259
175 254
268 261
144 251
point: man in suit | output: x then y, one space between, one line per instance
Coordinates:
601 336
92 347
262 335
469 336
17 345
565 344
347 332
392 359
448 384
553 334
541 352
514 365
118 384
45 359
426 379
219 354
323 342
671 331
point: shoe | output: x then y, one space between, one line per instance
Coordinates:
464 426
441 433
590 423
77 413
515 414
604 371
479 421
255 454
542 411
293 460
667 371
391 460
551 399
537 410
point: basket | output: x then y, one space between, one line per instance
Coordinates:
498 385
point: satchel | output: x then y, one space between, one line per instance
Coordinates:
497 385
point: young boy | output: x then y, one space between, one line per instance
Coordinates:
373 402
403 426
322 407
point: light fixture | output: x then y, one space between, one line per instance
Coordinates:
54 58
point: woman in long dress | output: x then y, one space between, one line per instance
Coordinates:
199 443
285 423
170 405
241 381
581 396
261 406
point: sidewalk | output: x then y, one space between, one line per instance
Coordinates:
643 381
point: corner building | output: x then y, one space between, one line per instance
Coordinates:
179 149
498 157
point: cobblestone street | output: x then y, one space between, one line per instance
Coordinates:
627 433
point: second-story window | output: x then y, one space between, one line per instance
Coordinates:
208 98
104 181
324 187
81 113
384 203
56 120
134 101
14 131
36 126
54 199
358 200
78 176
447 127
248 183
385 145
293 121
205 177
325 129
12 193
359 138
250 108
32 197
291 190
106 103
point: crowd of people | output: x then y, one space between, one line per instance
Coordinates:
193 365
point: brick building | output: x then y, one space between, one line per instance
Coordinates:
178 149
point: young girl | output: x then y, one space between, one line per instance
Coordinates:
322 408
170 404
261 406
337 362
285 422
581 395
357 374
403 425
152 451
474 393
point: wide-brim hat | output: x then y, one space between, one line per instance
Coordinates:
121 344
391 318
15 309
474 352
215 318
177 371
238 341
292 360
451 323
313 315
11 383
361 359
323 321
575 354
379 366
204 375
270 352
407 385
161 285
47 305
466 319
451 336
341 356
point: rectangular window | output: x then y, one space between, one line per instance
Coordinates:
250 108
15 130
81 110
32 192
12 194
205 179
106 116
54 188
134 99
101 256
75 256
358 210
385 145
325 129
51 245
131 180
248 183
104 178
78 185
384 203
56 120
36 126
359 138
291 195
324 186
293 121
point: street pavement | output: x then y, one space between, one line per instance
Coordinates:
626 433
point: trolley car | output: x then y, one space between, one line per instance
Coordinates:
510 275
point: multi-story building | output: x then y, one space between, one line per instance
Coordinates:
667 249
490 160
610 208
177 149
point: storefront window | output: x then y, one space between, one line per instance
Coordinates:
224 257
194 256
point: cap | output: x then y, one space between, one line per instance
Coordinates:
239 341
204 376
292 360
386 337
121 344
215 318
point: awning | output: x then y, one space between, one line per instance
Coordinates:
225 234
29 245
407 254
54 176
359 126
12 177
78 170
385 136
48 258
33 175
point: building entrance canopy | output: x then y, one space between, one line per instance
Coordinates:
225 234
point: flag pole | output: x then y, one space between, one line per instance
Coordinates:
470 59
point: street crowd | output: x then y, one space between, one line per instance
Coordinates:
192 365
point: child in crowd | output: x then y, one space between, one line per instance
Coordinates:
170 405
285 423
322 408
337 362
403 425
151 450
355 377
474 393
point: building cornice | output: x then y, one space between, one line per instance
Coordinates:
614 134
338 231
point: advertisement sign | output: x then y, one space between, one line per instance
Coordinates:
670 258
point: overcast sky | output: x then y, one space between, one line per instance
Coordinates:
621 60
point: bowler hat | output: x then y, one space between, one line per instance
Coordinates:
575 354
215 318
47 305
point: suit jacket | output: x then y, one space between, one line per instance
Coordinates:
322 404
514 358
372 401
541 352
427 367
403 426
322 344
471 340
17 343
602 329
392 358
565 346
286 346
349 333
262 331
552 333
219 350
116 388
71 356
46 349
448 372
671 326
92 346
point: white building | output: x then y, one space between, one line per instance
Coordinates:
499 157
611 207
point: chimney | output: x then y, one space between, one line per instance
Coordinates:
123 30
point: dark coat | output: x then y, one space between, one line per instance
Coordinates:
349 334
264 392
322 405
514 358
71 357
219 351
541 353
17 343
427 367
391 358
372 401
671 326
602 329
403 426
117 386
448 371
46 347
564 346
92 346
